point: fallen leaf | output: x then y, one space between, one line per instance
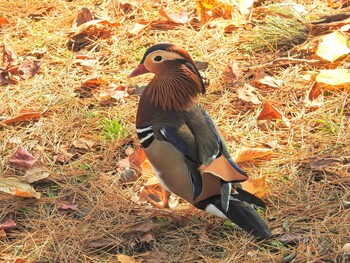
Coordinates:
152 181
346 248
257 186
178 18
8 225
3 21
87 34
333 46
137 157
66 205
65 155
142 227
35 173
82 145
249 154
139 26
209 9
314 97
270 81
28 69
13 186
231 73
22 158
245 6
269 112
2 233
84 15
334 77
292 238
113 94
248 93
125 259
101 243
9 57
94 81
147 238
24 115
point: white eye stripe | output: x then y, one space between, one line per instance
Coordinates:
166 55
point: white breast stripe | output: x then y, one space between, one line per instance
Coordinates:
147 137
149 128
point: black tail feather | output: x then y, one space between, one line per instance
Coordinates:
242 214
249 198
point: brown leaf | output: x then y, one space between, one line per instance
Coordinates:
101 243
87 33
82 145
24 115
13 186
8 225
292 238
84 15
178 18
9 57
147 238
22 158
35 173
257 186
231 74
65 155
2 233
3 21
269 112
28 69
249 94
249 154
142 227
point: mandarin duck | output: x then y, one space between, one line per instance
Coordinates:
187 152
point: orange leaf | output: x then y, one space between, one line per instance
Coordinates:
269 112
257 186
314 97
94 81
248 154
3 21
25 115
137 157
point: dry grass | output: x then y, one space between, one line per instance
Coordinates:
307 203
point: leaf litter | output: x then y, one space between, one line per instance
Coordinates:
297 190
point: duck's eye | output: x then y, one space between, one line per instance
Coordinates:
157 58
